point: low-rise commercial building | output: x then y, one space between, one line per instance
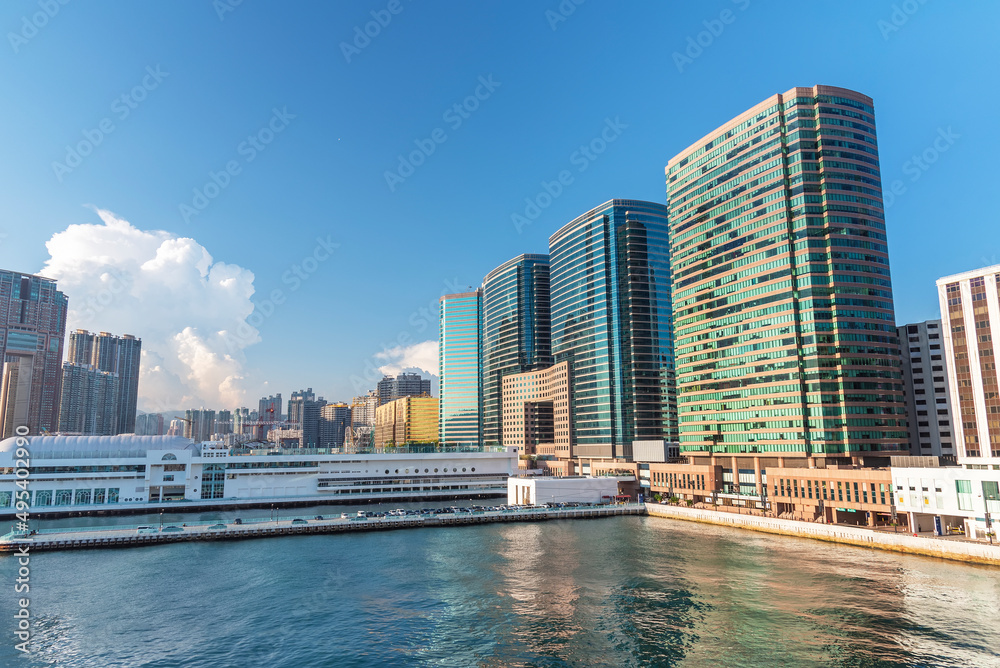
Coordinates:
528 491
949 499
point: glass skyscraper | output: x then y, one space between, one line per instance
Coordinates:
458 365
783 312
611 320
516 331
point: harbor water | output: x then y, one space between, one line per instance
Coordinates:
621 591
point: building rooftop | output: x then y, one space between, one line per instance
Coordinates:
76 447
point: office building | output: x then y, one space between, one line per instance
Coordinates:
119 355
536 411
786 345
89 400
403 385
970 314
405 421
928 405
32 329
611 321
459 368
516 331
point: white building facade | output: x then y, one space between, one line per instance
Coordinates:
948 497
102 473
563 489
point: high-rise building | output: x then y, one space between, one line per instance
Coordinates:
81 347
334 422
458 364
516 331
268 415
89 401
403 385
149 424
536 411
304 414
199 425
32 329
177 427
224 423
363 409
244 421
611 321
928 405
114 354
785 337
970 314
407 421
295 404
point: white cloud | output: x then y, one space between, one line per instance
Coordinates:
422 357
169 292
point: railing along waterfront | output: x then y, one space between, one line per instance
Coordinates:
151 534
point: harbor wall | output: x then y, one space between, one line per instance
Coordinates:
979 553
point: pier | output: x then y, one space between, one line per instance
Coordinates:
139 535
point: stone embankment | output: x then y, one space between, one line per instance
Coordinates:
958 550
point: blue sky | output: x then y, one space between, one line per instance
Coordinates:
373 257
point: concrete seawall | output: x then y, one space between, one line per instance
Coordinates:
930 547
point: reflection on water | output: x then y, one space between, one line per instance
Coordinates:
625 591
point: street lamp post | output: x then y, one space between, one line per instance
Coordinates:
161 520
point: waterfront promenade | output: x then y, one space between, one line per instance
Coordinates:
958 550
139 535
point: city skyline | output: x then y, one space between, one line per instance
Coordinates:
266 240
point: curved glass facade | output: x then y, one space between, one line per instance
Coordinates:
612 321
515 331
458 366
786 337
